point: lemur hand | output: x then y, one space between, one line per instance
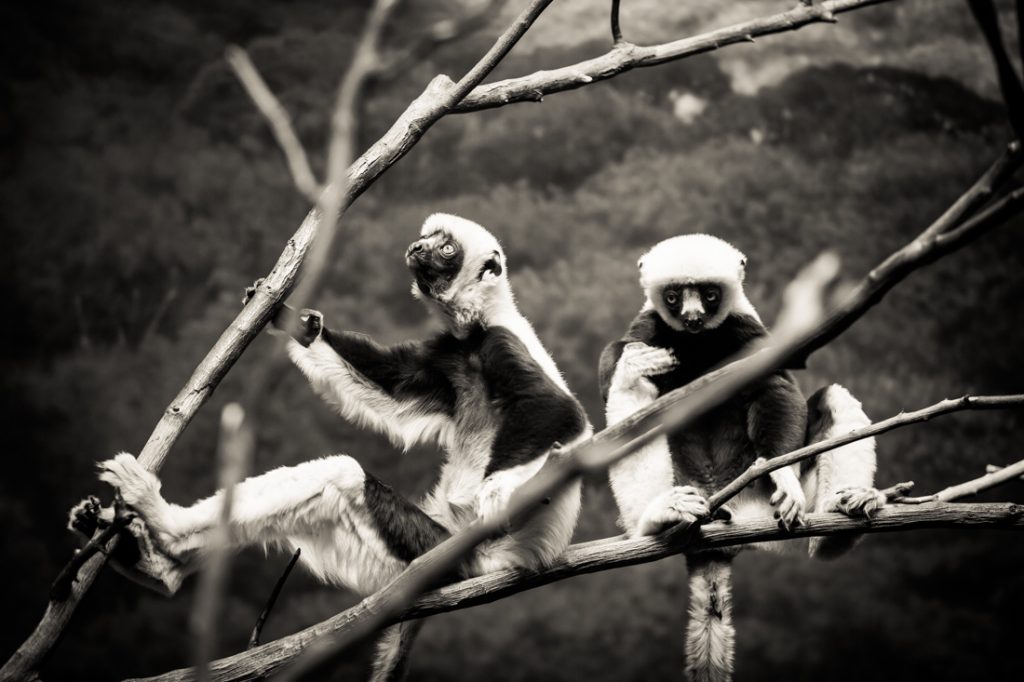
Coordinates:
640 361
788 498
680 505
305 326
856 501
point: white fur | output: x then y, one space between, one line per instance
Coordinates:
357 399
647 472
710 635
695 259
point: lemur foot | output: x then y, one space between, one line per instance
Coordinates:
680 505
789 501
250 291
857 501
89 515
136 484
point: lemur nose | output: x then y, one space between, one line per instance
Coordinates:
415 247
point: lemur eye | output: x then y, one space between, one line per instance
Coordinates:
671 297
448 249
711 295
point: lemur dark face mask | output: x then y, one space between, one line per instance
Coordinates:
434 261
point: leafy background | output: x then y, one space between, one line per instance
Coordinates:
140 193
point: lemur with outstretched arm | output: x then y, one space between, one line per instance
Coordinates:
484 389
695 318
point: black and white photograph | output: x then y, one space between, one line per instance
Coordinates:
508 340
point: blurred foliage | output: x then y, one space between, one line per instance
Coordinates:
141 192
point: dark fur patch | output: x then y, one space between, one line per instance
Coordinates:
534 412
408 371
765 420
433 272
407 531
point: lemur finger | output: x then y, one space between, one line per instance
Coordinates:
777 496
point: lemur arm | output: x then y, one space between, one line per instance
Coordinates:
535 415
777 424
398 390
647 474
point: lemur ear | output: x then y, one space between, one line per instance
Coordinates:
640 263
492 266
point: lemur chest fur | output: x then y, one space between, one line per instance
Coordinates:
714 450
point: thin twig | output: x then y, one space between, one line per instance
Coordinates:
763 467
234 454
280 122
972 487
992 468
257 630
616 29
985 14
438 35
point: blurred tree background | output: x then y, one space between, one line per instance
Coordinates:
141 192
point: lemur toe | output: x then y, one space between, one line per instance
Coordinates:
250 291
858 501
311 324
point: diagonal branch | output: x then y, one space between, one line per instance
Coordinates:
985 14
278 119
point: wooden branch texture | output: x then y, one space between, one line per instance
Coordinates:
612 553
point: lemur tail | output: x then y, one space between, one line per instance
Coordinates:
710 637
394 647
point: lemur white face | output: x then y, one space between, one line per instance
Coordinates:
693 281
455 262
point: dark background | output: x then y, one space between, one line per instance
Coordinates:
140 193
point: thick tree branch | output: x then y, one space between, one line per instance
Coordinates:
602 555
625 56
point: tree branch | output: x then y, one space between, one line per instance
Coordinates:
233 457
972 487
280 122
257 630
625 56
616 29
762 466
608 554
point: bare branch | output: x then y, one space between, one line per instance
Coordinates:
924 250
972 487
763 467
279 120
992 468
980 192
608 554
438 35
235 453
257 630
625 56
985 14
616 29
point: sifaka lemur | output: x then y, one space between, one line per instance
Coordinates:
696 316
485 390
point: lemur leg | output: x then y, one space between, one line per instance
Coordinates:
843 479
777 424
642 483
353 530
